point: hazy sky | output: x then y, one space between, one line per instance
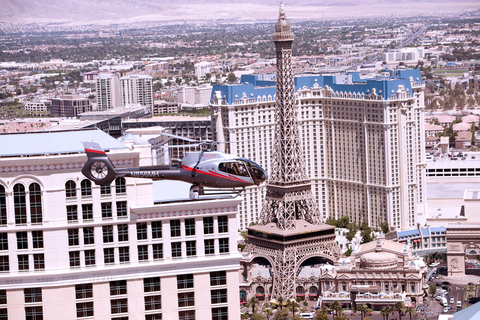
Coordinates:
120 11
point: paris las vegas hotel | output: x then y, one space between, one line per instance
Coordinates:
70 249
363 141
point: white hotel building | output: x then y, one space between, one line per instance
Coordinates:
70 249
363 141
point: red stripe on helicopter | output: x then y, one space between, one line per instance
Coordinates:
95 151
214 174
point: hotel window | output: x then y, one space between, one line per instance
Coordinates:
186 315
175 228
32 295
39 261
89 257
124 254
184 281
208 225
106 210
86 188
153 303
85 309
3 302
191 248
189 227
4 264
156 229
87 212
157 251
223 245
109 256
118 288
105 190
142 231
176 249
119 306
83 291
37 239
35 203
142 253
186 299
122 210
20 205
220 313
209 246
72 215
70 189
107 234
34 313
218 296
120 186
122 232
72 237
3 206
151 284
218 278
88 236
4 241
222 224
22 240
74 257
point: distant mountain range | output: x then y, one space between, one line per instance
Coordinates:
124 11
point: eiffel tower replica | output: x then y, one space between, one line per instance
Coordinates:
290 228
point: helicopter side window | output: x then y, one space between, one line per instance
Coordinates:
222 167
236 168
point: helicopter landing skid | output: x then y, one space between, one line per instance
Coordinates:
197 191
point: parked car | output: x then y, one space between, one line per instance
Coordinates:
446 283
452 300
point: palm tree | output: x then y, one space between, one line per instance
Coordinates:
389 311
281 301
268 312
336 306
400 308
363 310
411 312
384 312
292 304
252 302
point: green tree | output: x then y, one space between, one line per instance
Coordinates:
292 304
400 308
268 312
257 316
411 312
385 227
231 78
321 316
336 306
252 302
281 315
364 309
432 289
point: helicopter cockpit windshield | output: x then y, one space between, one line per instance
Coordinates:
258 173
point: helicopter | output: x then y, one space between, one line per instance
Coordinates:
226 173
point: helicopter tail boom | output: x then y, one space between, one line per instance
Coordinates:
98 167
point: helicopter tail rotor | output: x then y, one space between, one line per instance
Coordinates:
98 167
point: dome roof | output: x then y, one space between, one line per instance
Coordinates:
379 259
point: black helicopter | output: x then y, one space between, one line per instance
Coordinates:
212 169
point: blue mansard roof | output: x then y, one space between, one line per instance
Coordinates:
351 82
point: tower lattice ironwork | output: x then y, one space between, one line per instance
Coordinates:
290 228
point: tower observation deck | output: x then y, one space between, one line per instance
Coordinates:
290 228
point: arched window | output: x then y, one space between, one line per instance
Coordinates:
19 204
120 185
35 195
300 291
86 186
70 189
260 290
3 206
472 252
243 296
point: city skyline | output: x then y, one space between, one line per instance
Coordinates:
76 12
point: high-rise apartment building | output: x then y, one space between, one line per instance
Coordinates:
70 249
108 91
363 141
136 89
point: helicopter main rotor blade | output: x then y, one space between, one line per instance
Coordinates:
179 137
